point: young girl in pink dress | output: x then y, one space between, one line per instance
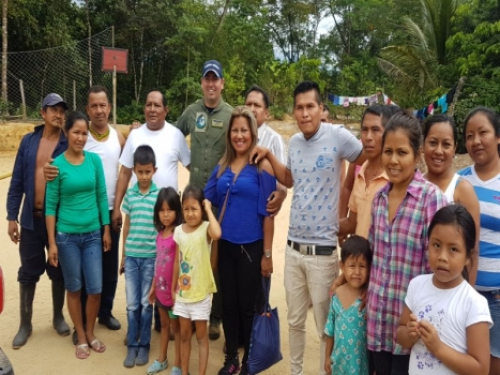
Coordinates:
168 214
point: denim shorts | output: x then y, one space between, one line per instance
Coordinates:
81 254
493 298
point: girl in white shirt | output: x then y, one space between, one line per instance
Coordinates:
445 321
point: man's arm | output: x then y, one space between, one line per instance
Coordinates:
276 199
15 193
347 225
182 123
121 187
282 173
121 139
16 188
345 191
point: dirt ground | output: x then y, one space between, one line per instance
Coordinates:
46 353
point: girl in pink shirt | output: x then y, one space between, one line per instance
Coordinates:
168 214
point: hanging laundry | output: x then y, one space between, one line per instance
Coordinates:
360 100
430 109
442 104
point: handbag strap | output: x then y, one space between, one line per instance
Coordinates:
266 289
224 205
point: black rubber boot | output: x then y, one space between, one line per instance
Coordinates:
26 295
5 365
57 304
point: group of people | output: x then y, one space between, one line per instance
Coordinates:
199 258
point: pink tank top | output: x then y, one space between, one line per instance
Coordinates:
164 266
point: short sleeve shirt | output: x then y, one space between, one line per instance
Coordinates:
246 202
141 239
196 280
315 167
362 198
450 311
348 328
169 146
270 139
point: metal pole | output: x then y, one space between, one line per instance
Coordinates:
114 96
23 100
74 95
114 77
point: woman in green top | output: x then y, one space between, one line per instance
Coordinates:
76 208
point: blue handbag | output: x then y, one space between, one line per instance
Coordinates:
265 339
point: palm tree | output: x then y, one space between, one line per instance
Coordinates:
413 65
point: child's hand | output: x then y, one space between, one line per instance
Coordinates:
429 336
122 266
207 205
328 365
412 326
152 294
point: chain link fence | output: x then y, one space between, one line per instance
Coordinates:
68 70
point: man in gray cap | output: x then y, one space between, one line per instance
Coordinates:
28 183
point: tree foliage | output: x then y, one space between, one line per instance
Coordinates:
413 50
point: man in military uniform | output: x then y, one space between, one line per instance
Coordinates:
207 121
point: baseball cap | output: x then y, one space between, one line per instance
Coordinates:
53 99
212 66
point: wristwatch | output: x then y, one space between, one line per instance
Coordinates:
268 254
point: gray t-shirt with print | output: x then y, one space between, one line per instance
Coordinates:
315 167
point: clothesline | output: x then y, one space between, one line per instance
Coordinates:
443 102
346 101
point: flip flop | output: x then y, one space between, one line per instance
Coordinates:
98 346
82 351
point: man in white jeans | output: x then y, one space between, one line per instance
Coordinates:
311 260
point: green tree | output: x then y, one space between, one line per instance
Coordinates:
414 65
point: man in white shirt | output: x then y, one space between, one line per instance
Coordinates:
167 142
258 101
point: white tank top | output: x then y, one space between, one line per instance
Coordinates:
109 151
450 190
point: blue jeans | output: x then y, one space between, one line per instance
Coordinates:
493 298
109 277
139 274
81 253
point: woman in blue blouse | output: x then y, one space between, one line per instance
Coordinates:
240 191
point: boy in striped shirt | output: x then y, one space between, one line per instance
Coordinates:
139 254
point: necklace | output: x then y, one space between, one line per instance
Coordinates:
97 135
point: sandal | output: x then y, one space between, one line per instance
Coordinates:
82 351
98 346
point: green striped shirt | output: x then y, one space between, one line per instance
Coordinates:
141 239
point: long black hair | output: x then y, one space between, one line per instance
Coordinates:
173 200
457 215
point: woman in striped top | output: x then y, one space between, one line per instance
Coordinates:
482 139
